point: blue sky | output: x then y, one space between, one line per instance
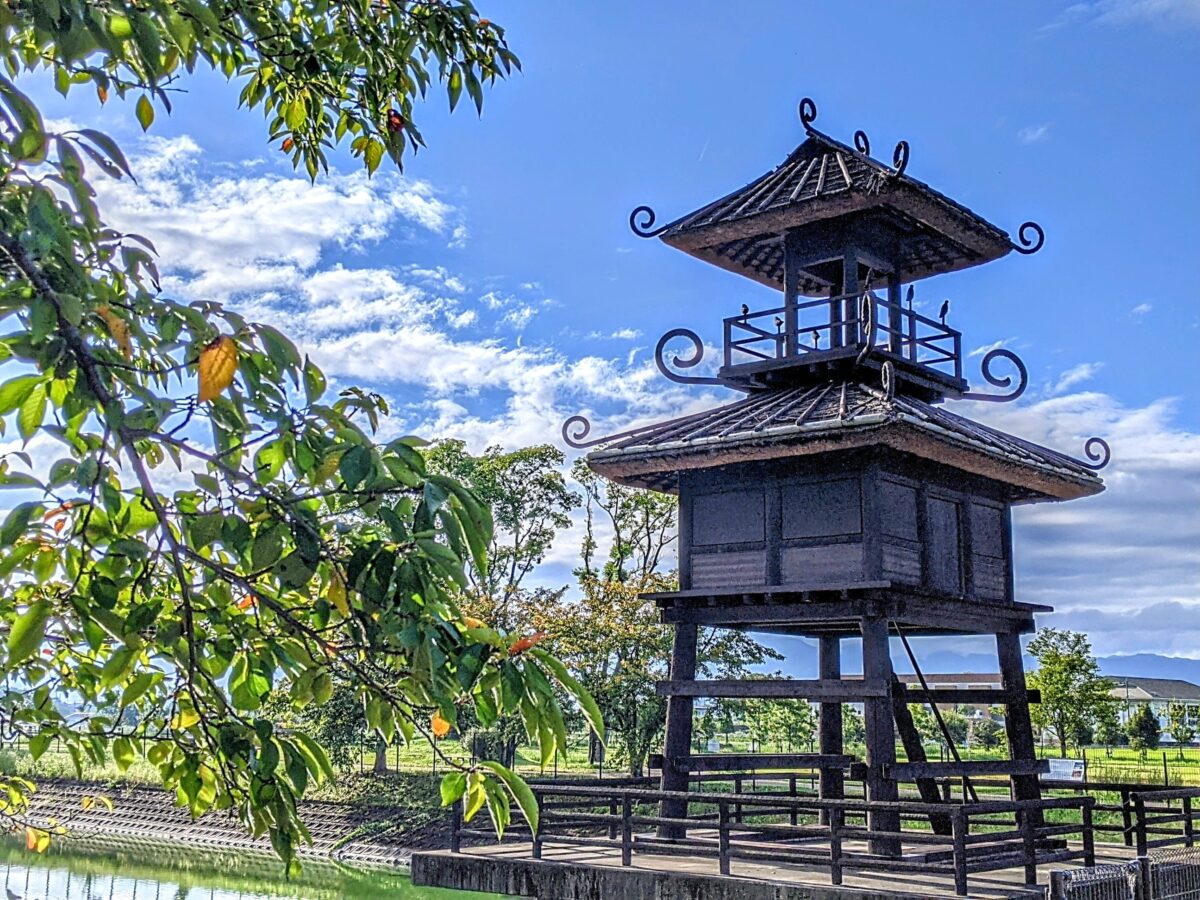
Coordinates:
495 288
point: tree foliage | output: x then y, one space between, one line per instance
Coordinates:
530 502
187 556
1074 693
1181 719
1143 729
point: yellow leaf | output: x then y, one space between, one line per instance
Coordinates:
472 622
36 839
440 726
218 364
118 328
185 718
337 593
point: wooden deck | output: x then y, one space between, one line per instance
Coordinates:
586 873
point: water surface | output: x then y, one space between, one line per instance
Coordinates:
75 869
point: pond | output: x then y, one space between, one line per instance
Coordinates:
78 870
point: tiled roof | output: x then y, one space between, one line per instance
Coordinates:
850 414
824 178
1154 688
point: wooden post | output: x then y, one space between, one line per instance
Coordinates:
1089 836
1028 845
1189 837
829 733
678 740
626 830
881 733
723 836
852 332
895 322
836 818
1126 819
1017 723
1139 809
959 820
910 739
791 294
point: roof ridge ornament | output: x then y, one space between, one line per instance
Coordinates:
1097 450
1001 381
646 228
1023 244
683 362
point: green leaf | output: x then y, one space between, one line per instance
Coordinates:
455 86
14 391
590 710
123 753
108 146
28 632
145 112
39 744
314 756
373 155
355 465
314 382
520 792
453 786
32 412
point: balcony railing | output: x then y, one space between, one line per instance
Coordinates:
842 323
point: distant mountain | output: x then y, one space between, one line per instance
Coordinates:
1151 665
976 655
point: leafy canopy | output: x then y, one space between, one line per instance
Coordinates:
217 530
1074 694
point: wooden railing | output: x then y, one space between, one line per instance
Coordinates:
838 323
1158 822
831 834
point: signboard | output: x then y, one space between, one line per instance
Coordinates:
1065 770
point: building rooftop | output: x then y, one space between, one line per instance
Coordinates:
838 414
1133 687
824 188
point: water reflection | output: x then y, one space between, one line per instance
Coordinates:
77 870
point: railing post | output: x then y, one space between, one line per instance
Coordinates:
958 374
737 789
1188 836
723 836
1126 819
1139 809
792 792
1145 885
626 830
612 826
836 817
1028 845
455 826
912 335
1089 836
958 825
1058 885
728 342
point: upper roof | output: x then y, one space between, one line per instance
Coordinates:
823 180
838 415
1139 688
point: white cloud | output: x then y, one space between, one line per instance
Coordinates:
1161 13
1141 309
1032 134
988 348
1075 375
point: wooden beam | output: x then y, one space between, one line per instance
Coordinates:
750 762
911 771
1017 722
914 749
830 726
880 735
678 738
798 688
913 693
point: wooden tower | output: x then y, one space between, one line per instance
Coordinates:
839 498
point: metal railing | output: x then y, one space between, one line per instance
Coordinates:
840 322
1163 875
837 835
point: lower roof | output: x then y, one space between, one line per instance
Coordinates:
839 414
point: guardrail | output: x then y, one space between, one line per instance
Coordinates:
1170 875
836 323
831 834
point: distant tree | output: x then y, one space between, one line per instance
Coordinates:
854 730
957 725
1068 676
1182 724
987 733
926 724
530 503
1108 728
1143 730
791 724
1083 735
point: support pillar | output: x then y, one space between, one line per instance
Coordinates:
895 316
1017 722
791 295
881 732
850 288
678 740
829 732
